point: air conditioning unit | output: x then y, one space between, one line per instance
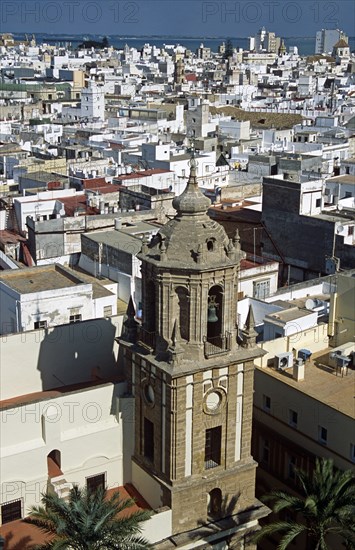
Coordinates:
283 361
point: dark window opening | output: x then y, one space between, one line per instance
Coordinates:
94 483
291 474
213 447
40 324
323 434
214 508
75 318
210 245
149 439
10 511
266 403
293 418
265 452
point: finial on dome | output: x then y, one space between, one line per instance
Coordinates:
192 200
193 164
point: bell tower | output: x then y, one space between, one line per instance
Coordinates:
192 378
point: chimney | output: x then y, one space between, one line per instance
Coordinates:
298 369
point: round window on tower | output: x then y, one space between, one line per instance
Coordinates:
213 401
149 395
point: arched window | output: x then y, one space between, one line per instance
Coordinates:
183 311
149 311
214 507
215 315
210 244
54 463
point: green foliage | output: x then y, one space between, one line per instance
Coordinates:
326 507
89 521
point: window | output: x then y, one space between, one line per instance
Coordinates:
291 474
213 447
93 483
75 318
214 507
261 289
266 403
40 324
107 311
10 511
148 440
318 203
265 451
293 418
322 434
351 230
210 245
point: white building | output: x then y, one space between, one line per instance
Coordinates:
287 322
53 439
327 38
48 296
93 102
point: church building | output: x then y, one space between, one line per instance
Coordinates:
191 375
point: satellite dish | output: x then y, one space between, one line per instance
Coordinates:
340 229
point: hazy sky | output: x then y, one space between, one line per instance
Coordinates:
176 17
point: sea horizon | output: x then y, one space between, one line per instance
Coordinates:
305 44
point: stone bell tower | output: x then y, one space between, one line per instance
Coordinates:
192 378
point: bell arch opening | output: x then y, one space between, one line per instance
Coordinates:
215 315
183 304
148 313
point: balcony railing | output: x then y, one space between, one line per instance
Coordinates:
217 345
146 338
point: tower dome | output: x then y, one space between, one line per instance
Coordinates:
191 240
192 200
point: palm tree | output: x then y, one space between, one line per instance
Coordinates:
89 520
326 507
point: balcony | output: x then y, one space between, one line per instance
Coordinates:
217 345
146 339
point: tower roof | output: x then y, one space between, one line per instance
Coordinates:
191 240
192 200
341 44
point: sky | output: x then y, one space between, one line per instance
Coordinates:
200 18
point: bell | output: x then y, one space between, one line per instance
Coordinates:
212 315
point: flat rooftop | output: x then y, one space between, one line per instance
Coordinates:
289 314
40 278
344 178
321 383
118 240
